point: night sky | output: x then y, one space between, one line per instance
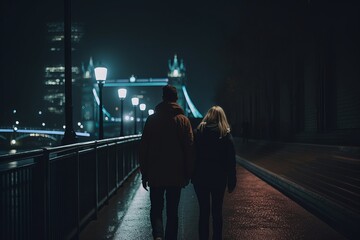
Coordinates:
129 37
139 37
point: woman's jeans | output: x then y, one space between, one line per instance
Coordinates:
217 196
157 205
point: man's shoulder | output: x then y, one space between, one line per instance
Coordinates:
182 118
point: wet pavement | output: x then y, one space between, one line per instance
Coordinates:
325 179
254 210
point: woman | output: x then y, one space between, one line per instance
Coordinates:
215 168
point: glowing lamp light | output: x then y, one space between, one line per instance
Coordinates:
122 93
176 73
150 112
132 78
100 74
17 122
13 142
135 101
43 124
142 107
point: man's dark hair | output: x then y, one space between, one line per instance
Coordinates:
169 93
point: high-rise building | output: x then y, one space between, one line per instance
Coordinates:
54 79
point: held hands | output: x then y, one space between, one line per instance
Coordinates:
230 190
231 187
145 185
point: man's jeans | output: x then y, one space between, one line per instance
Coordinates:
157 205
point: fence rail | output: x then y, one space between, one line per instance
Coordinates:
53 193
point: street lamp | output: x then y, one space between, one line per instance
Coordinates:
142 109
122 95
135 102
100 76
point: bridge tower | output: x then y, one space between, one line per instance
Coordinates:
88 105
177 78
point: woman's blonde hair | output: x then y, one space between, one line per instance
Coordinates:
216 115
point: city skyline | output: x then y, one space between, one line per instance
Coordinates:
128 38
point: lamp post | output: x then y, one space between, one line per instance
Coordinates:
135 102
142 109
100 76
122 95
69 134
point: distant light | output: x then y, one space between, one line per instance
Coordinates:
127 118
131 118
132 78
64 127
135 101
43 124
15 129
13 142
150 112
106 118
116 108
81 126
17 122
112 119
176 73
79 123
122 92
14 111
100 74
40 112
142 107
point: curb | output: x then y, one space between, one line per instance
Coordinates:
343 220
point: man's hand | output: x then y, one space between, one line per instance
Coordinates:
144 184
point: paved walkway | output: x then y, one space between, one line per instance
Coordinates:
254 210
324 178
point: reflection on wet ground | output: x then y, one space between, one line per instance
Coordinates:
254 210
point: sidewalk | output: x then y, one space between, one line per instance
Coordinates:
254 210
324 179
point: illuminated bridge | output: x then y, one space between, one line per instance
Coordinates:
187 105
16 137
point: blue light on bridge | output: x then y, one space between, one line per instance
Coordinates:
192 107
54 132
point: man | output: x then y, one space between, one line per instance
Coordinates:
166 161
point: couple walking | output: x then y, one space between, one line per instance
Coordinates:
171 155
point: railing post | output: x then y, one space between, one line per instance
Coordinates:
77 194
117 166
41 198
96 181
108 174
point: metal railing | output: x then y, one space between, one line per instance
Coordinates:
54 192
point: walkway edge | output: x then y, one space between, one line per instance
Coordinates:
340 218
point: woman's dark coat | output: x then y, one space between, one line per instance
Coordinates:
215 163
